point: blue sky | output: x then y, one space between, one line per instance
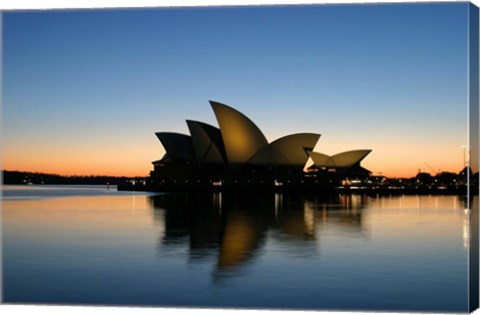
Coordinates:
84 91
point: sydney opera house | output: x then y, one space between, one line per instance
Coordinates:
237 155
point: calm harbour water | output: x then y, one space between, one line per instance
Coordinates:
90 245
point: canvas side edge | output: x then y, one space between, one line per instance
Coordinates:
473 139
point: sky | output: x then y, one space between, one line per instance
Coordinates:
84 91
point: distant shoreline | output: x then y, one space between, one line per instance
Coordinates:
125 183
462 191
26 178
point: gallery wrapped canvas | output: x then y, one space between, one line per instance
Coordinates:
283 157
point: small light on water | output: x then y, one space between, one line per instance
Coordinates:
466 230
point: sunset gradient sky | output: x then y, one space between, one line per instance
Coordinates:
84 91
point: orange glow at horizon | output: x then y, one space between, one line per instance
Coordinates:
391 156
113 160
394 156
113 163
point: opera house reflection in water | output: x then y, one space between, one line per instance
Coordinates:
234 227
279 251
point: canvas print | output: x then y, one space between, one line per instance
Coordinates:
295 157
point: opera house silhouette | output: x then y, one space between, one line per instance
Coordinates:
237 155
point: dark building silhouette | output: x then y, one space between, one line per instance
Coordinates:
238 155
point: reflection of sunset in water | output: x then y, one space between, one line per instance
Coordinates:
185 241
419 202
75 216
